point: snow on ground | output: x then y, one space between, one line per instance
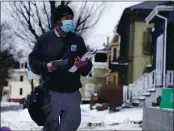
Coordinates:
109 120
17 119
98 120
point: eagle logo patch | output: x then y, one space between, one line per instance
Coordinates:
73 47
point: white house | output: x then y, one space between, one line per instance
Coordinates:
18 86
149 86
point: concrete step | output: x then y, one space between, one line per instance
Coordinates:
126 105
152 89
136 101
146 94
141 97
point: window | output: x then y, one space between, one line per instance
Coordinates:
147 42
5 93
109 58
21 78
22 66
25 65
114 54
109 81
101 57
6 83
20 91
16 65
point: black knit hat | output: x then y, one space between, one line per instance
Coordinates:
61 11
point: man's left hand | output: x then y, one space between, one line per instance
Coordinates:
79 63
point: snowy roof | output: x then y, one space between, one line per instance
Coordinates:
148 5
23 59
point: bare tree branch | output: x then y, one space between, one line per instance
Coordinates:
6 38
78 23
35 19
47 16
27 39
39 19
64 2
86 18
67 2
20 8
53 8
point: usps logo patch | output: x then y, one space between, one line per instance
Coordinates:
73 47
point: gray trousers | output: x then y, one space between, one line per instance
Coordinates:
66 112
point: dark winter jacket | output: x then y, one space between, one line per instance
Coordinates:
50 47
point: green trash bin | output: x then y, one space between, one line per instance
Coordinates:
167 99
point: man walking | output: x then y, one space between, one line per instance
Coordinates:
61 44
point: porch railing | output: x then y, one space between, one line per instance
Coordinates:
143 85
135 90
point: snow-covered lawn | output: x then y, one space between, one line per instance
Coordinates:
121 120
103 120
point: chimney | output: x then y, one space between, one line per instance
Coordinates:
107 40
104 44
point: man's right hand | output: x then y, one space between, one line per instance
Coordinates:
50 67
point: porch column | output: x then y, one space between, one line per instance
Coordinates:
159 60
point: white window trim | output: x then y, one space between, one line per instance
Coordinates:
113 53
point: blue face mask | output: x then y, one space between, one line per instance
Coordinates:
68 26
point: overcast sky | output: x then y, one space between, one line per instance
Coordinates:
105 26
107 23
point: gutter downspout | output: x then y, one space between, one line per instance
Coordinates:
164 50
